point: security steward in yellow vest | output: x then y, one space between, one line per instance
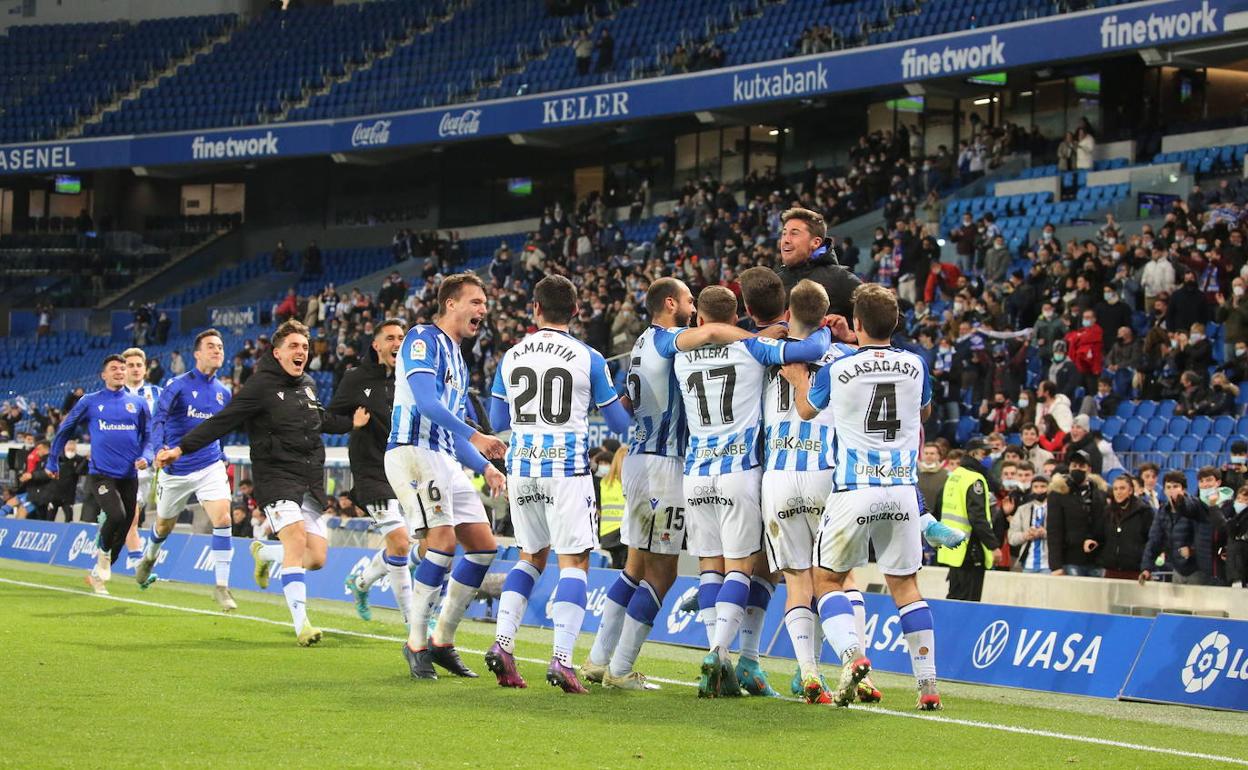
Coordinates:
611 505
966 506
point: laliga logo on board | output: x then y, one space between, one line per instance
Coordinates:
1208 659
365 135
467 123
82 545
677 619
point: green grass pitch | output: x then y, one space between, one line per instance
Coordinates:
159 679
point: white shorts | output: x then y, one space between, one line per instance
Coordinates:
793 503
432 489
884 517
145 487
207 483
283 513
387 515
654 517
559 513
725 517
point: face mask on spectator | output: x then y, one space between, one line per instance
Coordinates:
1240 507
958 308
1209 495
1039 497
1240 352
602 470
1059 357
1023 402
1078 477
945 350
1202 247
1048 315
1111 297
1239 459
1196 337
1010 483
1047 236
929 467
1238 291
1087 322
1111 240
71 454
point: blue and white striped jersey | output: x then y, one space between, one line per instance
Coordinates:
426 348
658 411
722 387
550 380
149 393
791 443
876 396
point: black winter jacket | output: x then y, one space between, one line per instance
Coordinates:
836 280
370 385
1072 520
284 422
1126 534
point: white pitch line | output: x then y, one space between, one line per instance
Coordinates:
876 711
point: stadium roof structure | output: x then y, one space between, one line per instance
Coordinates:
1161 31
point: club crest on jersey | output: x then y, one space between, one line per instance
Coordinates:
368 392
220 399
281 395
194 394
130 408
418 349
103 490
100 407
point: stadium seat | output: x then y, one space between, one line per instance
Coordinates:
1189 444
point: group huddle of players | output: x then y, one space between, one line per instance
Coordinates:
768 454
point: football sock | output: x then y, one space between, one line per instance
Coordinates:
400 582
154 543
373 571
461 589
761 590
730 609
568 612
837 618
709 584
222 555
270 552
859 606
618 597
642 609
425 590
916 624
513 602
296 593
800 622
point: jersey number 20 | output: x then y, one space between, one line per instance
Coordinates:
556 409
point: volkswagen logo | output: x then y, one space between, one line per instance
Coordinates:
990 644
1205 662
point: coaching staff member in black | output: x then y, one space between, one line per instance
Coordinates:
284 422
805 253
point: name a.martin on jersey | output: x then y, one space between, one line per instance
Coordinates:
540 453
876 365
552 348
795 444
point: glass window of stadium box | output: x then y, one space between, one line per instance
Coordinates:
727 153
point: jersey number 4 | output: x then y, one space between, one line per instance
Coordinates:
882 419
556 409
698 384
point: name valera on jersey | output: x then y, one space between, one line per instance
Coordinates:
708 354
553 348
871 366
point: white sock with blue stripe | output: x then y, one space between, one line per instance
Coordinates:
425 590
643 608
466 578
916 624
761 590
709 583
618 596
730 609
373 571
154 543
837 618
801 625
568 612
222 555
400 581
859 606
513 603
296 593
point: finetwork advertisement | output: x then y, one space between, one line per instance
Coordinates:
1087 35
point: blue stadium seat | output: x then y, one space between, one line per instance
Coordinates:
1111 427
1146 409
1189 444
1157 426
1201 425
